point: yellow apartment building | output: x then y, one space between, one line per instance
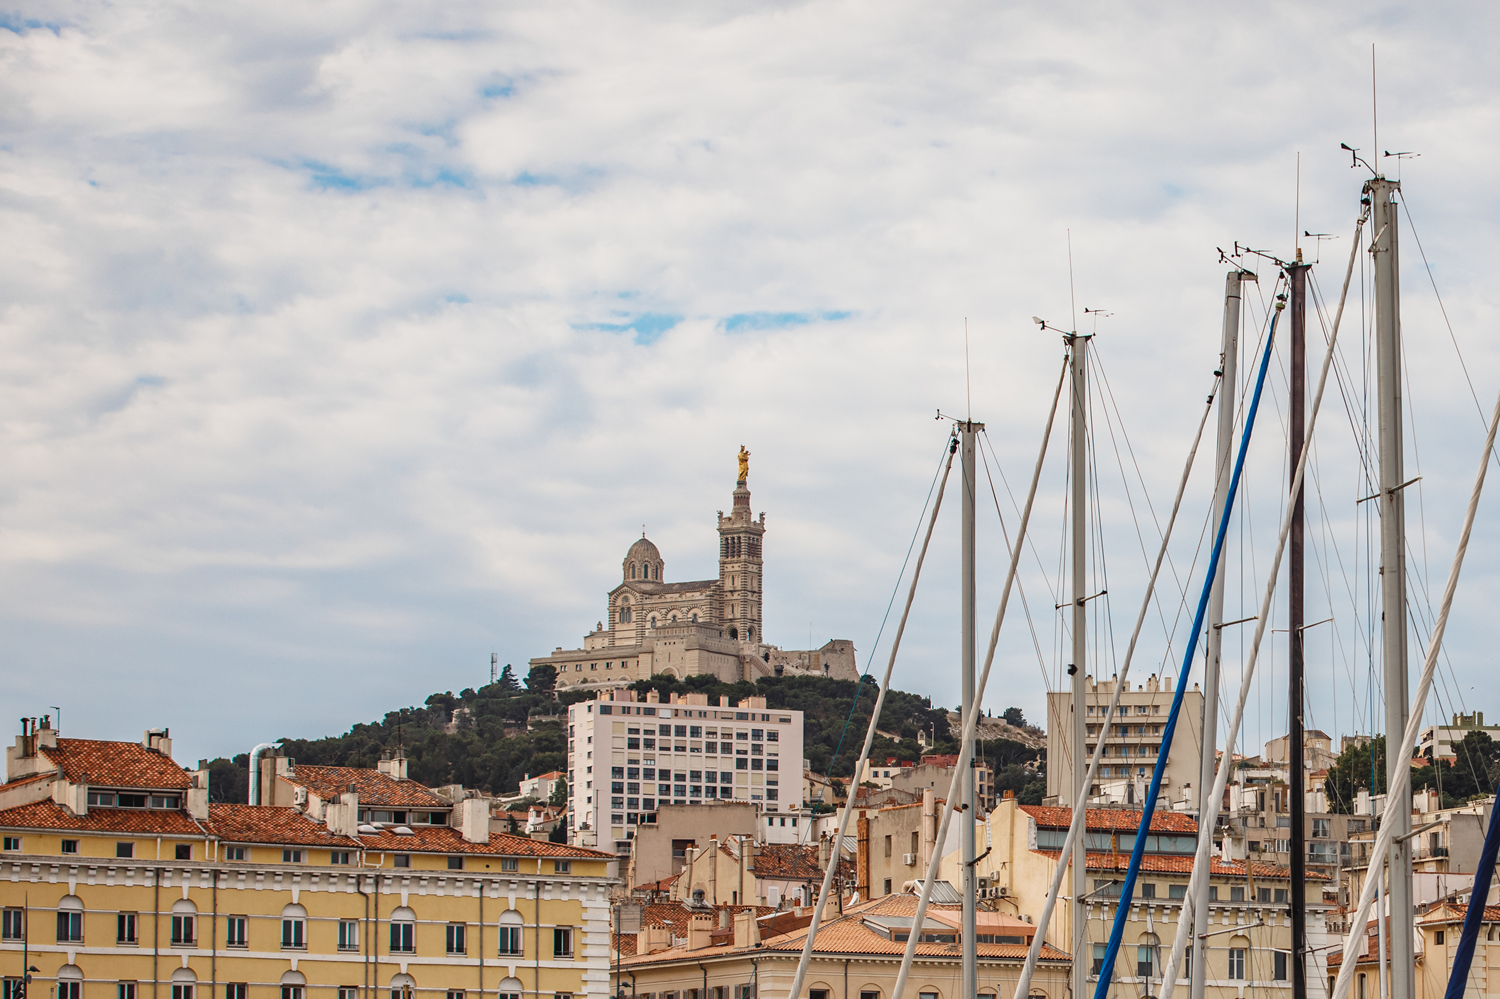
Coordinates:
118 880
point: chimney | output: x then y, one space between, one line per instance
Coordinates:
824 850
700 930
726 918
862 858
157 740
653 938
197 795
473 816
929 826
746 929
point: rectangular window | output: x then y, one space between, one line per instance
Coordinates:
234 853
887 886
339 858
1263 894
70 926
294 934
562 867
125 990
403 938
69 989
1279 961
183 851
13 989
1144 966
181 990
237 990
291 856
1176 891
234 931
1098 964
291 992
184 931
562 942
455 994
348 934
1237 964
455 863
12 843
458 938
510 941
13 924
1237 894
349 992
1148 890
401 860
125 924
70 846
124 851
509 864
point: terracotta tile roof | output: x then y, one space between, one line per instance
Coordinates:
375 789
1449 912
847 934
444 839
665 884
1057 817
1158 863
140 821
268 824
785 860
116 764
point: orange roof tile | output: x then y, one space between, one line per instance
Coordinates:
444 839
375 789
785 860
139 821
116 764
1123 819
268 824
1158 863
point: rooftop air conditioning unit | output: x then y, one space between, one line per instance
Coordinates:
983 883
909 859
1000 891
299 795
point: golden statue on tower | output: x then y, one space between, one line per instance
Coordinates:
744 463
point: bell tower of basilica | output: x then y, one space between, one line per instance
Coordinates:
740 564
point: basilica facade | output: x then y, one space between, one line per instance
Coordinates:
713 626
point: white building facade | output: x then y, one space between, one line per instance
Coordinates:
629 753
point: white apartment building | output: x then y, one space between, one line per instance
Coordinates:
1131 744
628 755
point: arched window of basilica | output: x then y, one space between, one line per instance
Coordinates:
673 619
694 618
624 616
749 633
656 572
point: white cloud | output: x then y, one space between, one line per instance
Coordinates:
343 345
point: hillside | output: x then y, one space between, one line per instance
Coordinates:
491 737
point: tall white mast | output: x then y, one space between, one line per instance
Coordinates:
968 935
1078 669
1384 249
1223 462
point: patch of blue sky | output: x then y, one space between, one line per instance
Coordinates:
498 88
746 321
19 25
578 179
331 178
648 327
442 177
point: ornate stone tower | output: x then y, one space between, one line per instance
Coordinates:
740 564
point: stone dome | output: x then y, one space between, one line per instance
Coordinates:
643 562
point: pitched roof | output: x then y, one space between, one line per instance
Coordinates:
1451 912
1160 863
49 814
1122 819
444 839
375 789
268 824
788 861
116 764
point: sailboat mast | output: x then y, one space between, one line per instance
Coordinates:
1392 567
1078 473
968 935
1295 576
1223 462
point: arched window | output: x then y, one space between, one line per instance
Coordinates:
511 925
403 933
656 572
749 634
624 616
293 984
70 919
183 982
1145 956
403 986
69 982
672 619
694 617
651 623
510 988
293 932
184 923
632 570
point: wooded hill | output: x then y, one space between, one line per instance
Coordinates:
491 737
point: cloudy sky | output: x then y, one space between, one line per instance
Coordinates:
345 344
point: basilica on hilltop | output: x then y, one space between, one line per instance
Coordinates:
711 626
